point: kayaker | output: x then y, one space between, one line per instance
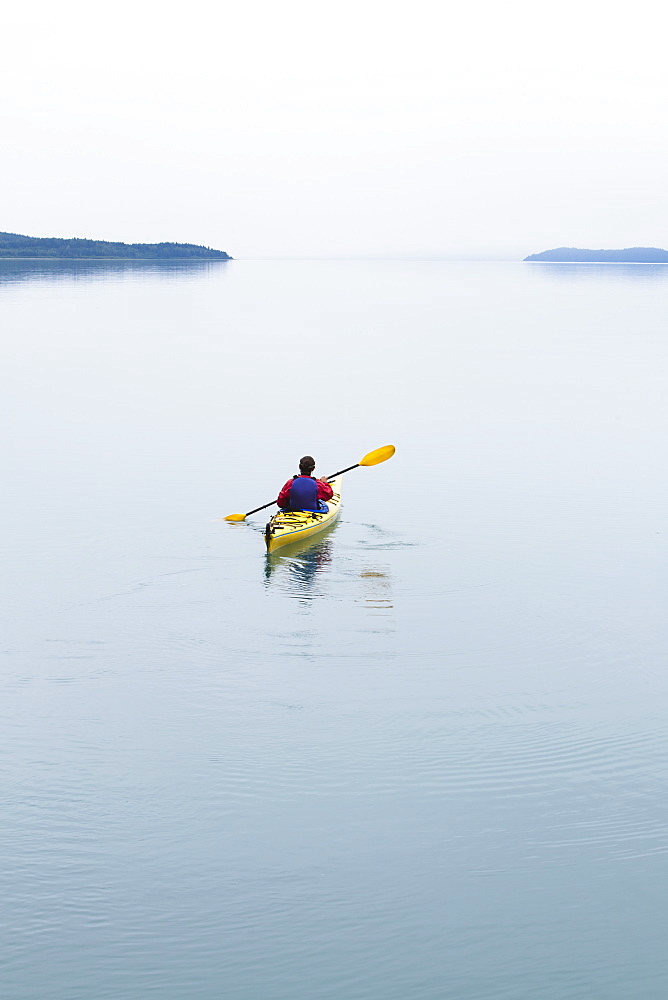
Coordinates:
304 492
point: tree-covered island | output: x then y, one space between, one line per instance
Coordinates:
14 245
631 255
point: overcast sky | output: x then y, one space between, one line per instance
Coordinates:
349 129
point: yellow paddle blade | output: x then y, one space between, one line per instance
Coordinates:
235 517
379 455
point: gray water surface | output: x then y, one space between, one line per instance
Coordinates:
423 758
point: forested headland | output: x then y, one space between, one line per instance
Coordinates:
15 245
631 255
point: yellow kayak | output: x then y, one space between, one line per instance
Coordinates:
296 525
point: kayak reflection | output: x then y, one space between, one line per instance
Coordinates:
296 570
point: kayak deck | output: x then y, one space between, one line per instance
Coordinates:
291 526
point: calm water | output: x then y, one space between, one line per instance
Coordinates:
425 758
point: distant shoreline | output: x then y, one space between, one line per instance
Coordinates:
574 255
14 246
136 260
567 262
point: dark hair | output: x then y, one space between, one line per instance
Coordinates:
306 465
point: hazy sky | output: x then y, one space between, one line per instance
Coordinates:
355 128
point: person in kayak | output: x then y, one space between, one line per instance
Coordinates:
304 492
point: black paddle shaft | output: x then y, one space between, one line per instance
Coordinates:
263 507
340 473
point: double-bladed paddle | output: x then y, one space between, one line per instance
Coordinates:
373 458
